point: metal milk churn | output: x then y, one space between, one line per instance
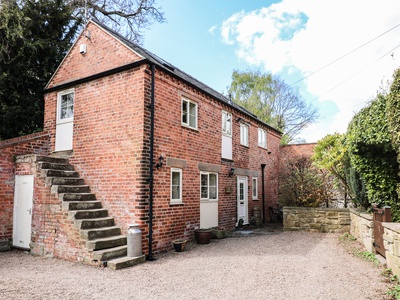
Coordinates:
134 241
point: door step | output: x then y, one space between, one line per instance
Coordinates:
125 262
108 254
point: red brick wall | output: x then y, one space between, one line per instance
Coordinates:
204 145
111 145
36 143
289 151
103 53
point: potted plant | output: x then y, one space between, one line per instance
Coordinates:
179 245
203 236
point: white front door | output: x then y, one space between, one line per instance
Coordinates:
23 199
242 200
65 120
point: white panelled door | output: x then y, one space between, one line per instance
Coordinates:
242 199
22 221
65 120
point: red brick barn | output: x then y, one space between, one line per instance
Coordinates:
140 141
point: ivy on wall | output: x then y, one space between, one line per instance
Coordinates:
372 154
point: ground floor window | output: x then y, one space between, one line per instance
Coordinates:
209 186
255 188
176 186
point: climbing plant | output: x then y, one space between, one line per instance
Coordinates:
372 154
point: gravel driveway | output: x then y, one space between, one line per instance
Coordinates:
260 265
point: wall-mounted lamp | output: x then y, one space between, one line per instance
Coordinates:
231 171
160 162
269 152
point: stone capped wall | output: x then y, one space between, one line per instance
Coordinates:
362 228
332 220
391 240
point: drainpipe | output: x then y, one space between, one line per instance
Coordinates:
263 192
150 255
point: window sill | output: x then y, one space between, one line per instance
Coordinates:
176 203
188 127
227 160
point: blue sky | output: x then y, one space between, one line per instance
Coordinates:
292 39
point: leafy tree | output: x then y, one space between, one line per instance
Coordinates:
34 37
372 154
126 16
273 101
357 188
303 185
331 154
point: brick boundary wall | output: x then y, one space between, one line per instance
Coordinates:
35 143
332 220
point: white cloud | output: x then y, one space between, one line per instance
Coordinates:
305 35
213 29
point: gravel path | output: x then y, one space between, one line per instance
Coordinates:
263 265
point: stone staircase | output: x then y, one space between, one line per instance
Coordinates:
103 238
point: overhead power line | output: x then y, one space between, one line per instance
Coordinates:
343 56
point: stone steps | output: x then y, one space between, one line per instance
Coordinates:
64 181
108 254
106 243
125 262
94 223
81 205
98 233
88 214
59 189
102 238
77 196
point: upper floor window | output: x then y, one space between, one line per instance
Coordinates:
209 186
226 123
176 186
262 138
244 135
189 113
66 105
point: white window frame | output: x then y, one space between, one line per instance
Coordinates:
208 186
262 138
244 135
188 115
178 200
226 126
59 99
254 188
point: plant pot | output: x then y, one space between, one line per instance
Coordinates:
179 245
202 236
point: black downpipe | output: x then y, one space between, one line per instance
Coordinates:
263 192
150 255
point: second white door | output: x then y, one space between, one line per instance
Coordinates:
242 200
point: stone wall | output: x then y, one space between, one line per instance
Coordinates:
362 228
333 220
391 240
